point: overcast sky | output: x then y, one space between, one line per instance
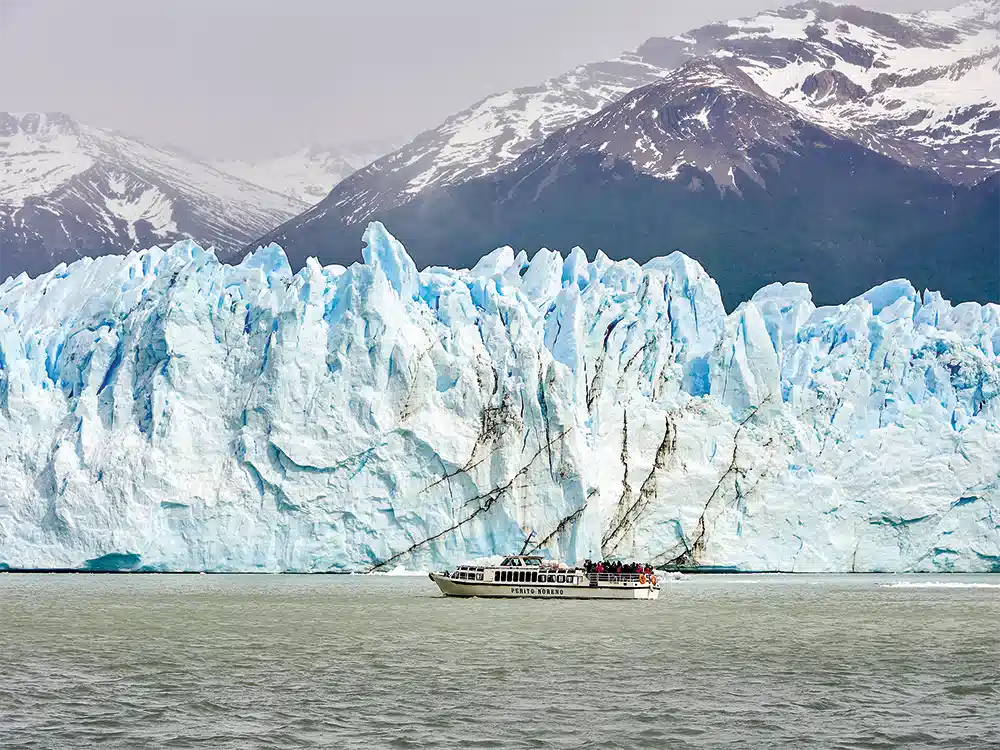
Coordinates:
228 78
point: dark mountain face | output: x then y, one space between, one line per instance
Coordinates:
707 163
914 87
817 142
868 220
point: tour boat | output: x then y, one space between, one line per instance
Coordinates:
530 576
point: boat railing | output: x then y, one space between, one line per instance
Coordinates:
621 577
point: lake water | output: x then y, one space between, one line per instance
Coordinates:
370 662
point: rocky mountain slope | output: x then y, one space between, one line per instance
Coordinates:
907 104
707 161
69 189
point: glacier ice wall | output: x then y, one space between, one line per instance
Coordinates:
163 410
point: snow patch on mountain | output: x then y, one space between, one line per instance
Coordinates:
40 153
134 203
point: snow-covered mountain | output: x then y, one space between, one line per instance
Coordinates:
162 410
920 88
309 174
707 161
706 115
69 189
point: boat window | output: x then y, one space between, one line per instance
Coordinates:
561 579
534 577
479 576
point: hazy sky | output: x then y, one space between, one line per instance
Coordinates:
231 78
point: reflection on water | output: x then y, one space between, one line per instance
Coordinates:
361 662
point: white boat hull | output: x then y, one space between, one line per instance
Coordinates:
488 589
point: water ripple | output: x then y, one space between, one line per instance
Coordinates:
265 661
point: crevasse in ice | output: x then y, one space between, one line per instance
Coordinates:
163 410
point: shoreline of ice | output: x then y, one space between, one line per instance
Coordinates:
165 410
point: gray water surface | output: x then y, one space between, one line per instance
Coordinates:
367 662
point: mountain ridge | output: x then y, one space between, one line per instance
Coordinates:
827 179
71 189
779 49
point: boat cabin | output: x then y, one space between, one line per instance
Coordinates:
519 569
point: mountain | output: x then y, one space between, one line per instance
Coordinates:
707 161
168 412
309 174
855 137
920 88
68 189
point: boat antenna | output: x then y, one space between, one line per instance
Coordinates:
527 542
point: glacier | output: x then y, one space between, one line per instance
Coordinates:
165 411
